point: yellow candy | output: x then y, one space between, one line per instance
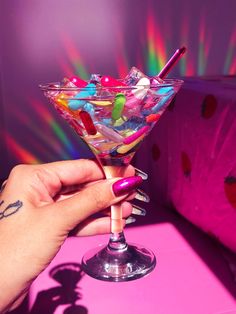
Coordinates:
61 100
63 104
119 121
102 103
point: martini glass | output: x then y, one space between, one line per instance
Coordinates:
113 121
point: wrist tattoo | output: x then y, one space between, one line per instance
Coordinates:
10 209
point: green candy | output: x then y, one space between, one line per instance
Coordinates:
119 103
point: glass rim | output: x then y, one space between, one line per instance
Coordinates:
58 86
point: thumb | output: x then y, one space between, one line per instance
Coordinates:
71 211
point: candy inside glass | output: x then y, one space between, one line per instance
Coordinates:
114 121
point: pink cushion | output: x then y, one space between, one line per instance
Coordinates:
191 157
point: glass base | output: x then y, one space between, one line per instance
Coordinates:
108 264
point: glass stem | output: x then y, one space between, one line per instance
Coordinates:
117 241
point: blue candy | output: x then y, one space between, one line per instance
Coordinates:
86 92
107 121
163 90
89 108
164 101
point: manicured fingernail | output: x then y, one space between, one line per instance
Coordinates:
140 173
136 210
130 220
142 196
126 185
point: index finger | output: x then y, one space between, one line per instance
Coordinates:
79 171
41 181
72 172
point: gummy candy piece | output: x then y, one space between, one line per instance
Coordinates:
137 134
101 103
132 123
132 102
78 81
153 117
119 103
109 133
108 81
89 108
164 90
163 102
126 148
86 92
107 121
61 99
141 88
87 122
118 122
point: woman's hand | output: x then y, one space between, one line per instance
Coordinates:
41 204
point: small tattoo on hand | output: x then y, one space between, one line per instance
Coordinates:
10 209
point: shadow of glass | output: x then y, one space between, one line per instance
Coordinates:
47 301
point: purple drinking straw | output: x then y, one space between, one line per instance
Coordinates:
169 65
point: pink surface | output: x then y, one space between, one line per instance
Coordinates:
191 157
191 275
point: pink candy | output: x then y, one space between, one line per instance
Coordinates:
78 82
134 136
108 81
87 122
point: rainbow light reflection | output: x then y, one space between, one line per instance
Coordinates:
42 145
19 152
230 60
154 52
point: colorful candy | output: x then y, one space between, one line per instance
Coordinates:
87 122
142 87
114 115
109 133
89 108
108 81
78 81
118 107
101 103
130 139
132 123
80 98
153 117
61 100
164 90
162 102
126 148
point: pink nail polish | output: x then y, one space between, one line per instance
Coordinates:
126 185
